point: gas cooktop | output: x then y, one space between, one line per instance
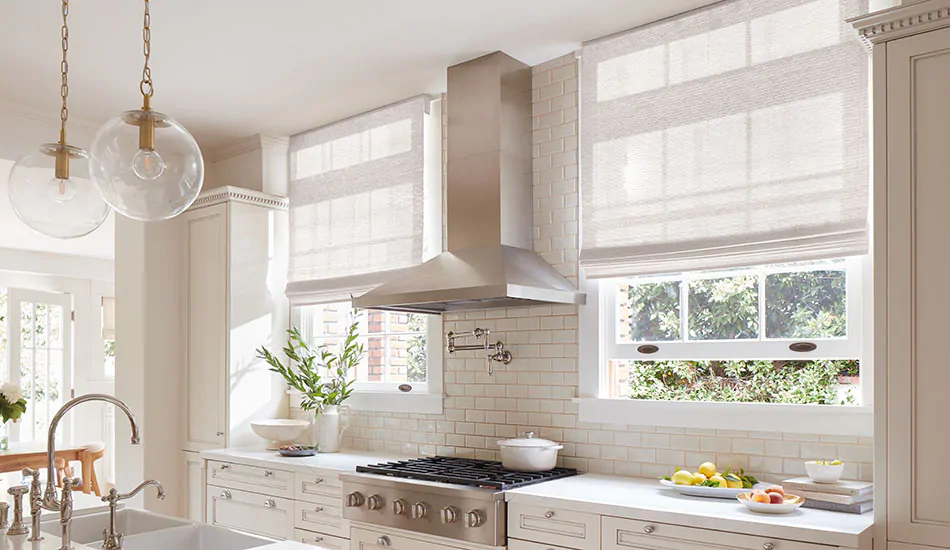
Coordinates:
463 471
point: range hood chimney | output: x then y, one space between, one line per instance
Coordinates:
490 262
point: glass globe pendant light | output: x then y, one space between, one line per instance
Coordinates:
144 163
50 189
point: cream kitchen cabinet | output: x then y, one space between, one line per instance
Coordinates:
911 51
233 303
193 496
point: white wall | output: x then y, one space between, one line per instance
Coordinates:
148 348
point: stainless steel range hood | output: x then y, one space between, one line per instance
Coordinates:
490 261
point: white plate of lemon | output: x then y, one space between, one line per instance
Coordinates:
709 483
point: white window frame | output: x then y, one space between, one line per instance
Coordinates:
598 344
424 398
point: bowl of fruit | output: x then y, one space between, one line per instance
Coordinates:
824 471
709 482
771 500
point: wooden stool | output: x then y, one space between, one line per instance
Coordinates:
91 453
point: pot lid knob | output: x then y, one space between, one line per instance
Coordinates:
529 435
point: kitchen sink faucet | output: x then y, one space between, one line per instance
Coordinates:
48 501
112 538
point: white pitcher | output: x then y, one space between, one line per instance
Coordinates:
329 427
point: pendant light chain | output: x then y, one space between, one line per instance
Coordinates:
64 72
145 86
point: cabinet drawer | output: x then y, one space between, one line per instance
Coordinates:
271 517
515 544
251 478
321 541
565 528
364 539
322 518
318 486
623 534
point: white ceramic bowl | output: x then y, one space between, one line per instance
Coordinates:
279 431
824 473
792 503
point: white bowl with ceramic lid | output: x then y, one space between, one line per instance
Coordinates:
529 454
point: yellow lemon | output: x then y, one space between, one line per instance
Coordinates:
682 477
698 478
721 480
733 481
708 469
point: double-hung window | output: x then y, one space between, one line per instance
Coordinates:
365 204
724 221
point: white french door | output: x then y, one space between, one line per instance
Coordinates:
40 343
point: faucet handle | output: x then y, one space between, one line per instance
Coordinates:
30 472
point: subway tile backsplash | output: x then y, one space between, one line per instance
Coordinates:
535 391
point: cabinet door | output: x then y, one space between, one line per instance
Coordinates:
205 326
194 492
918 261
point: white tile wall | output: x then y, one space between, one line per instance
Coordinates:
534 392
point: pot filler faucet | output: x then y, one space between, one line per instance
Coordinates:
48 500
494 351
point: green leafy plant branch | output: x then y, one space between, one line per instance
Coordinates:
321 375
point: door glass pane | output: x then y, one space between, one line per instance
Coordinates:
56 327
4 367
26 324
724 308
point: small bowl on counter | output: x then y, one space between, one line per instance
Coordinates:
279 431
788 504
824 471
529 454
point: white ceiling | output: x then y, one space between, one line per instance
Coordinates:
230 69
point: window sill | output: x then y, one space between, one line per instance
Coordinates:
421 403
809 419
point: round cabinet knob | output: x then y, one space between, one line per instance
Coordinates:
225 495
354 500
374 502
418 510
768 546
474 519
399 506
649 529
449 514
268 473
269 503
384 541
549 514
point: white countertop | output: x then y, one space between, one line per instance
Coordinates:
646 500
342 461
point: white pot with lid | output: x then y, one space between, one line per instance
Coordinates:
529 454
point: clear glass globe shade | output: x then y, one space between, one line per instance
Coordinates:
63 209
143 184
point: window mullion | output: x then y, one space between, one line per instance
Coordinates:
762 277
684 309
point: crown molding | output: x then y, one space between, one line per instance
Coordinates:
221 195
49 116
246 145
901 21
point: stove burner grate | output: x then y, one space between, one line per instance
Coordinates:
463 471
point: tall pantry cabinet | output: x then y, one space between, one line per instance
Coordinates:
911 88
234 266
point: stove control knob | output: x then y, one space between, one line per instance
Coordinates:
474 519
374 502
418 510
399 506
354 500
449 514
